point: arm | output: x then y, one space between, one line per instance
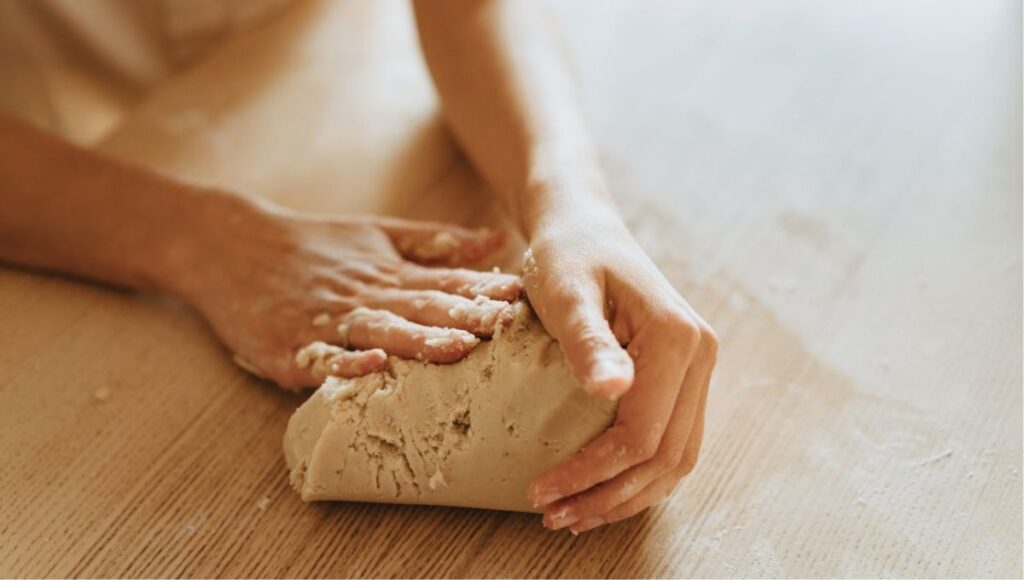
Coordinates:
508 96
65 209
269 281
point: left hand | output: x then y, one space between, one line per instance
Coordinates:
298 297
626 332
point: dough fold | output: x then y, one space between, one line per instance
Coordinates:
473 434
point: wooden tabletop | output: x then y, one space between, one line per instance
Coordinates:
836 187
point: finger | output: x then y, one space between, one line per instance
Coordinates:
365 328
468 283
667 347
679 445
320 360
597 359
481 316
655 492
311 364
438 243
351 364
662 487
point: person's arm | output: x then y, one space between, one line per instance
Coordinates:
509 97
269 281
65 209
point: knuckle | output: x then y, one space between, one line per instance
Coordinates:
423 299
345 286
666 493
626 511
412 273
662 497
353 271
687 462
641 448
667 461
609 501
347 303
709 341
388 270
443 277
599 499
681 329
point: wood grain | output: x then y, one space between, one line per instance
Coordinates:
836 187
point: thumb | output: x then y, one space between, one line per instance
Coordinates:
597 359
441 244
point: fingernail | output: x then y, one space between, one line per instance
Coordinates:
564 523
587 524
547 498
562 520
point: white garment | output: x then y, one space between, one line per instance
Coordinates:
75 66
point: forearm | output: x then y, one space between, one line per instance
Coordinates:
70 210
508 94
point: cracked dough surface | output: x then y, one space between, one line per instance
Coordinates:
473 434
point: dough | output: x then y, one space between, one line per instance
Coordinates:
473 434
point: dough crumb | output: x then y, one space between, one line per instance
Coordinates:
529 263
445 241
437 341
317 355
322 319
436 480
439 246
263 503
101 394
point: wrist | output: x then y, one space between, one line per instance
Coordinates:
554 208
192 236
564 186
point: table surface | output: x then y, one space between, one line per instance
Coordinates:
836 187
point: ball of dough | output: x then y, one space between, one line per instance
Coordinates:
473 434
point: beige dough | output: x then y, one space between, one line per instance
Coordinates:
473 434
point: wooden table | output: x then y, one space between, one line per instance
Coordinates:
836 187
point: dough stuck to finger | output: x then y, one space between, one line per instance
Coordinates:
483 314
441 245
473 434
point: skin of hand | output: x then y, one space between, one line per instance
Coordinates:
271 281
629 335
509 96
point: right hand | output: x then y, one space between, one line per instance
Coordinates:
271 281
628 334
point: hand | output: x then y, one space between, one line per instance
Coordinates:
271 281
596 291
